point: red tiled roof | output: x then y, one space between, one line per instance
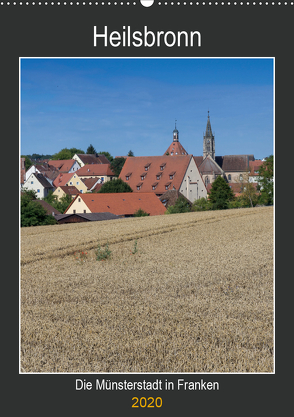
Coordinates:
254 166
95 169
122 204
136 165
64 165
175 149
62 179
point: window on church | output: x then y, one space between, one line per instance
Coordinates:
229 177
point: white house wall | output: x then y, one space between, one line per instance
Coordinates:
193 187
32 183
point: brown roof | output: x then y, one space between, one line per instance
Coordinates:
198 160
95 169
122 204
89 182
136 165
235 163
63 165
93 158
49 209
69 189
208 166
175 149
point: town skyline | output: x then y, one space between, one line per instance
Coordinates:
119 105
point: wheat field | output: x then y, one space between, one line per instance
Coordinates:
196 296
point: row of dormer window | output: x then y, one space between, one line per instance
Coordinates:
158 175
139 186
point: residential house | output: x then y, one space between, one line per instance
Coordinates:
50 172
65 165
86 159
63 190
70 179
39 184
158 174
98 171
121 204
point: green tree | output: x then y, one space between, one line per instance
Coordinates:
28 162
29 194
200 205
130 153
32 213
51 198
115 186
117 164
91 150
180 206
266 181
59 204
108 156
63 203
66 153
140 213
248 197
220 194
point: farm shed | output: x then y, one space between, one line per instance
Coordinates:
84 217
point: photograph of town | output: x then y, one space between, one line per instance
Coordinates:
146 215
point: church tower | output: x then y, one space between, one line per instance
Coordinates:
175 148
176 133
208 141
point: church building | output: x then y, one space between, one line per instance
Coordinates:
184 173
230 167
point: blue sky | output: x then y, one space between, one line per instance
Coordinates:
119 105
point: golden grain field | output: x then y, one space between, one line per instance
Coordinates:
197 296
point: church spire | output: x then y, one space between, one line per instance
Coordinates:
208 141
208 127
175 133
